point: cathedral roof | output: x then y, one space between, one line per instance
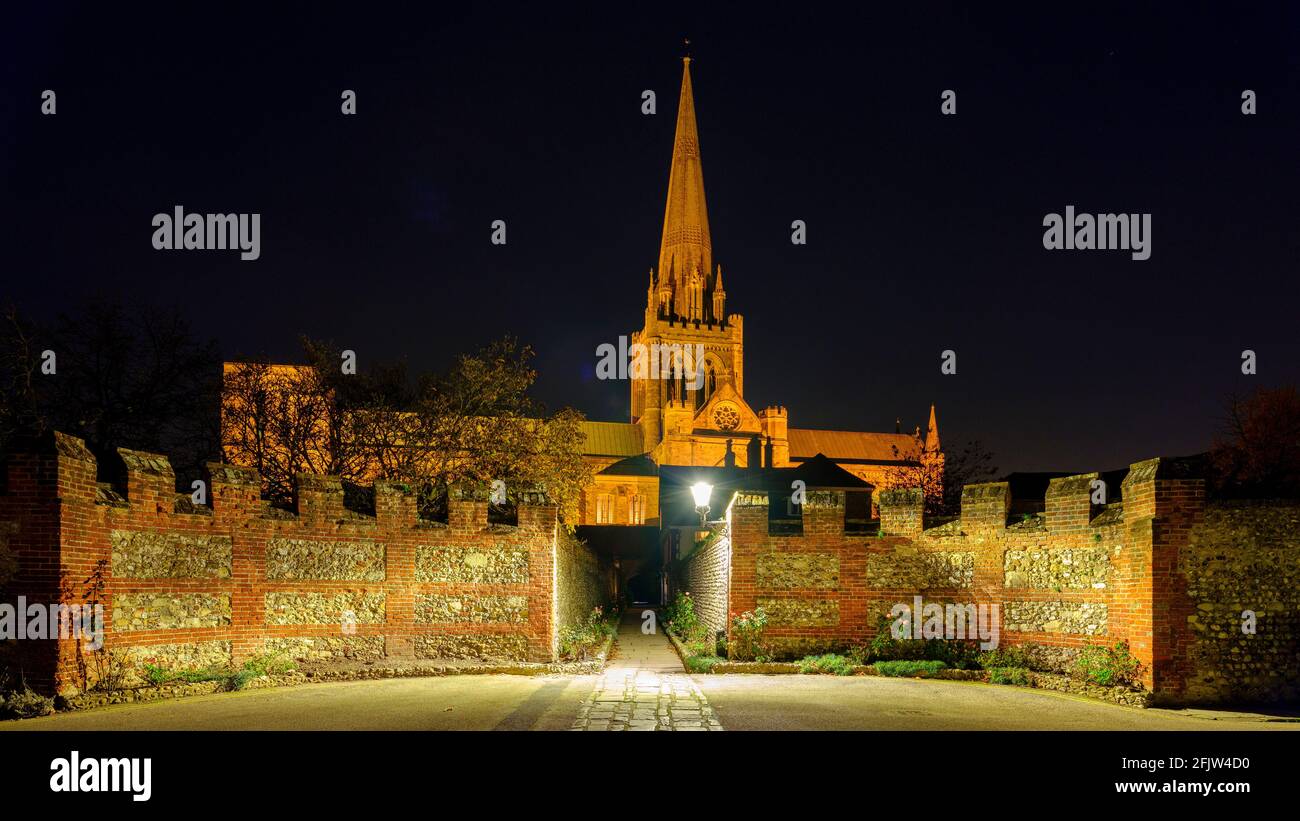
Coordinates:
845 445
612 439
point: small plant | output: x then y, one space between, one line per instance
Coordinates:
269 664
1108 666
1009 675
828 664
918 669
859 653
747 631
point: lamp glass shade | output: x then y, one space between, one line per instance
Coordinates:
701 491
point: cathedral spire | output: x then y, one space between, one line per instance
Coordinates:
686 246
932 433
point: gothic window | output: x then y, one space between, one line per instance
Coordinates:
636 509
710 383
604 509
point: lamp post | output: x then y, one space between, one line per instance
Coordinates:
702 491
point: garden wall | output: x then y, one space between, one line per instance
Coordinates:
187 585
1160 569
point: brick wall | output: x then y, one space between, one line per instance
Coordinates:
187 586
1159 569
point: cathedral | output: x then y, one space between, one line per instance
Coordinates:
702 419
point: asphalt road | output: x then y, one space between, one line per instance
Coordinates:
742 702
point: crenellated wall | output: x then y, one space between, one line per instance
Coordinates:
185 585
1161 569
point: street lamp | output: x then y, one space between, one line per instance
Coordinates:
702 491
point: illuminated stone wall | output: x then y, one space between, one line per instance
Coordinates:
1160 569
214 585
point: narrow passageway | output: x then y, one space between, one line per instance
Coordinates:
645 687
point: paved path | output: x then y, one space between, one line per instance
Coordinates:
645 687
444 703
794 702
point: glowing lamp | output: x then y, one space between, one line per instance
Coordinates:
702 491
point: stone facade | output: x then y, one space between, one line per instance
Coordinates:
301 607
484 646
497 564
1243 557
170 611
583 581
1074 568
150 555
327 648
787 571
439 609
1079 618
706 577
324 560
801 612
240 578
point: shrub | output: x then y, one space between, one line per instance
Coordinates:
1005 657
884 647
909 668
828 664
24 703
577 642
701 664
859 653
1108 666
1009 675
960 654
747 631
681 618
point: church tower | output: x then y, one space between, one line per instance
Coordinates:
681 413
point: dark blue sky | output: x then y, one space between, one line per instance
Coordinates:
924 231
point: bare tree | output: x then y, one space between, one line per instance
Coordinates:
1257 449
941 475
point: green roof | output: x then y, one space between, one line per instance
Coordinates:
612 439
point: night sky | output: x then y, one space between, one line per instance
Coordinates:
924 231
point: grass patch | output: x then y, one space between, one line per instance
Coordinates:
1009 675
909 669
829 664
